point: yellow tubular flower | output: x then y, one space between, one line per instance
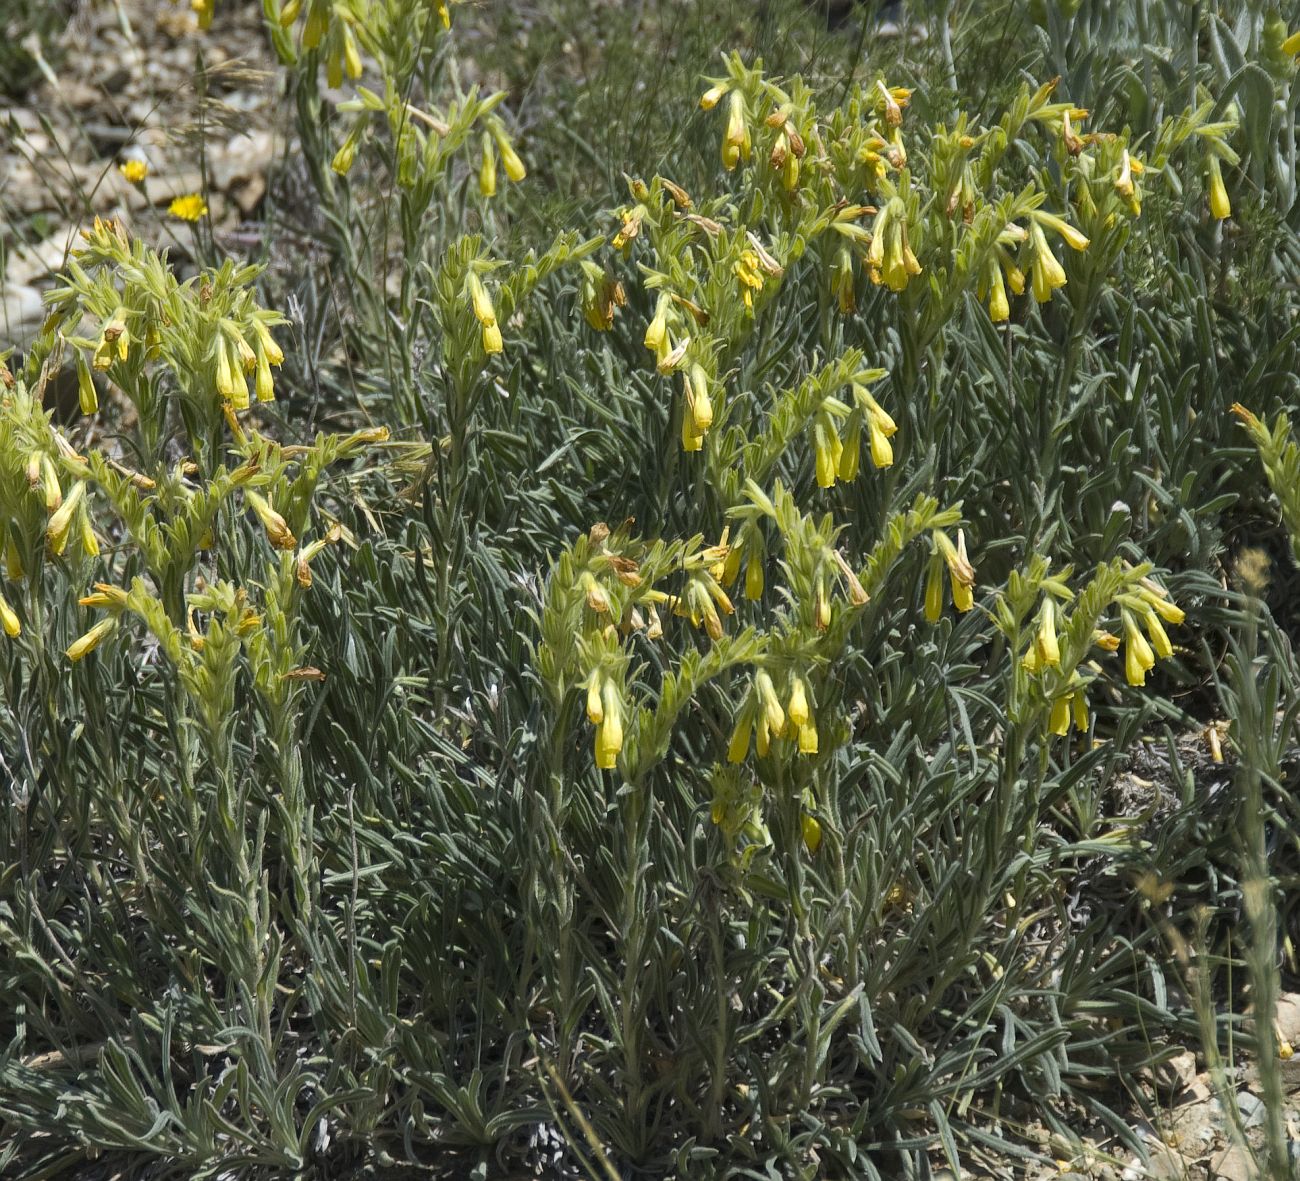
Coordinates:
934 590
1047 272
697 398
277 528
264 385
1159 637
1049 652
484 312
882 451
824 457
808 739
656 332
714 95
609 734
60 524
89 542
847 468
753 578
1220 206
1073 238
738 747
487 173
86 644
773 714
9 620
351 56
492 342
1059 723
735 143
50 482
266 342
1079 707
762 737
963 591
510 160
798 711
595 710
203 9
809 829
999 307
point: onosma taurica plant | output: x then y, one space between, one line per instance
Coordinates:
688 747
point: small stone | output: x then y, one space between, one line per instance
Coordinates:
1233 1164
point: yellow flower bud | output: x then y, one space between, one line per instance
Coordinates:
753 578
808 740
657 331
999 307
487 173
50 483
9 620
798 711
1079 708
850 454
811 832
1049 651
1072 236
595 710
1059 723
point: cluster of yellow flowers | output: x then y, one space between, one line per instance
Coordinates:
494 141
762 716
1147 606
961 575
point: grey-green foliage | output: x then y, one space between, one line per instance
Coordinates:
968 935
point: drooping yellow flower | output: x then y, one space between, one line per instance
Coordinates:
203 9
772 713
736 144
753 578
961 574
1059 722
609 734
714 95
277 528
487 173
699 405
797 710
59 526
1138 657
134 170
1220 206
84 645
190 207
595 709
510 160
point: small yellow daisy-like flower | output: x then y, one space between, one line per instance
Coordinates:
190 207
134 170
